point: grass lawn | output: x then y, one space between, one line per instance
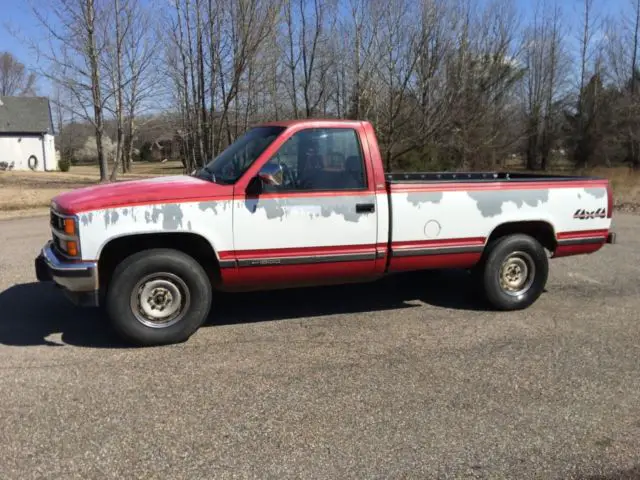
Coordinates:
625 183
22 192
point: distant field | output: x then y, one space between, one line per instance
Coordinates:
625 182
144 169
24 192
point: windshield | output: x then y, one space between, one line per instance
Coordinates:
236 159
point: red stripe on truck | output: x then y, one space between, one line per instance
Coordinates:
583 233
441 242
299 251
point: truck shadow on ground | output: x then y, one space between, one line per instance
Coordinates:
39 314
445 289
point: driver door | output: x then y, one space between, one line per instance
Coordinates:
319 225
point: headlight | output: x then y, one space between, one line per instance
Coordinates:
65 234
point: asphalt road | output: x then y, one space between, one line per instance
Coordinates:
406 378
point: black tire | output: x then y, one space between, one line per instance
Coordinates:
518 253
171 271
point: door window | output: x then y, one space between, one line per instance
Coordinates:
321 159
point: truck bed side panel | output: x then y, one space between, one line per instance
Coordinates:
444 225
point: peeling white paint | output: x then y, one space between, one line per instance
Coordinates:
325 221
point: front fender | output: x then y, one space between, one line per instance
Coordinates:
210 220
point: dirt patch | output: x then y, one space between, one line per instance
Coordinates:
26 190
18 198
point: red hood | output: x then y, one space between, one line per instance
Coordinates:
179 188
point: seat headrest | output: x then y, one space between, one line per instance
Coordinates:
353 164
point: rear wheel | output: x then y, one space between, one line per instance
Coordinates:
158 296
514 272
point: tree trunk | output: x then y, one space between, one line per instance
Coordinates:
118 94
96 93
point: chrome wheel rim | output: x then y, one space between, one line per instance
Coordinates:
160 300
517 273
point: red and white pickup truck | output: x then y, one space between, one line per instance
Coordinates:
304 203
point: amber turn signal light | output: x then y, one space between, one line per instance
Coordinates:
69 226
72 248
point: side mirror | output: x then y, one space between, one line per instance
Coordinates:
254 187
271 174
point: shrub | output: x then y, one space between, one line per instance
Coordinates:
64 164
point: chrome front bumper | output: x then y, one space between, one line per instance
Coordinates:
78 280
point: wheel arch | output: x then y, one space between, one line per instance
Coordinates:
542 230
118 248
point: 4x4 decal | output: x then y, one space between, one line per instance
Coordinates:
583 214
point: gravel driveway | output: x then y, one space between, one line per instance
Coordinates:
405 378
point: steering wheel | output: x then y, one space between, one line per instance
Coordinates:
288 176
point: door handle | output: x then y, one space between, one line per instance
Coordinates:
365 207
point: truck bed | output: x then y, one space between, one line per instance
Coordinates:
443 177
446 219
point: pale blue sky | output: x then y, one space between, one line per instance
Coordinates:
18 15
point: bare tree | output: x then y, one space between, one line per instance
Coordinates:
634 56
544 78
398 44
73 60
314 27
144 86
249 24
446 83
293 58
113 65
583 120
14 78
179 60
434 100
623 35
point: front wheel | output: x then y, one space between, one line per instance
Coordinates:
157 297
514 272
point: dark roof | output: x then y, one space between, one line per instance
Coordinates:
25 115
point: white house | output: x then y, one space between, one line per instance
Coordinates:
26 134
